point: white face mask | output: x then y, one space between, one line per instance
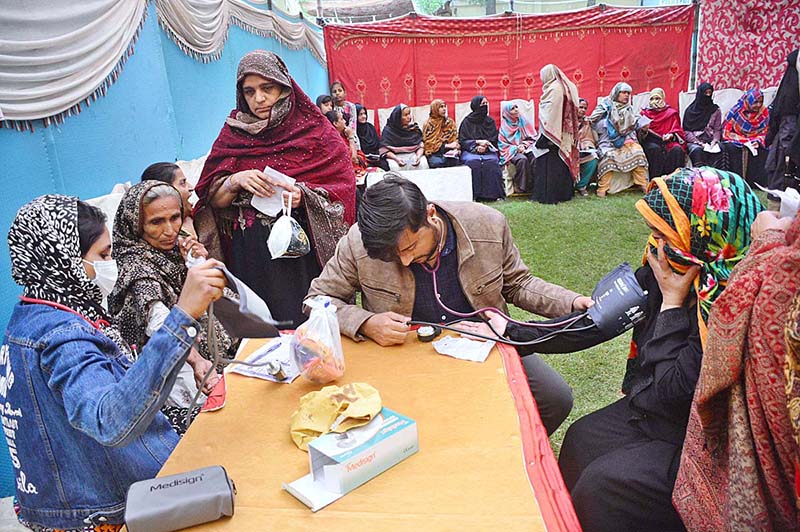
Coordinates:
105 274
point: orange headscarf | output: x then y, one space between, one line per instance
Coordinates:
438 130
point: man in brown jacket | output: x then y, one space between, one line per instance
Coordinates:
389 257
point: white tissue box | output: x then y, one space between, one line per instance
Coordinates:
340 463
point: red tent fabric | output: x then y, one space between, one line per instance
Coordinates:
414 59
745 44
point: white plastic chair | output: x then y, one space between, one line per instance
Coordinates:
725 98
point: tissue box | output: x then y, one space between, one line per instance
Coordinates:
340 463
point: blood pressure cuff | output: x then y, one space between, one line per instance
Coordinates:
179 501
619 303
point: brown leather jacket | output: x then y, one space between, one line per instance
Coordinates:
490 270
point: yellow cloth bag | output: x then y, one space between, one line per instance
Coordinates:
333 409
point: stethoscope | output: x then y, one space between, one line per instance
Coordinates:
563 326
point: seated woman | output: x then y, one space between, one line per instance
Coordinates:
620 462
340 103
702 122
516 136
622 160
276 125
86 417
440 137
401 141
477 136
744 133
740 459
664 143
172 174
348 137
587 148
369 139
150 255
557 170
325 103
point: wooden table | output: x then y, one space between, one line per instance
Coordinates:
482 449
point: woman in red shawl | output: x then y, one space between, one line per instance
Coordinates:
276 125
740 456
665 142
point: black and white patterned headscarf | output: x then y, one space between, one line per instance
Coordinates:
46 259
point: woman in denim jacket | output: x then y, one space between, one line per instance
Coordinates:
81 421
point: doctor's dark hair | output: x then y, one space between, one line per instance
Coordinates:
387 208
91 222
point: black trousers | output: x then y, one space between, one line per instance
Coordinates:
662 161
552 393
619 478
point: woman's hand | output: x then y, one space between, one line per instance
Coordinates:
200 367
253 181
415 162
296 194
481 148
497 322
674 286
767 220
666 137
204 284
191 244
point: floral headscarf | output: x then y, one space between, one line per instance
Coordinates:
705 215
512 132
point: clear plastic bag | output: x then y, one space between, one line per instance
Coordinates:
317 345
287 240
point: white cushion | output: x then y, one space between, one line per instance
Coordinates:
448 184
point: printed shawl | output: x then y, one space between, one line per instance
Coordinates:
558 116
737 467
512 132
705 215
46 260
303 145
147 275
744 125
438 130
620 117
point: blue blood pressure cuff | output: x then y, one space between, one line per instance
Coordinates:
619 301
179 501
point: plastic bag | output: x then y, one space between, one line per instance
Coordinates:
317 345
287 240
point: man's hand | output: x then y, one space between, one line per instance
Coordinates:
386 328
582 303
204 284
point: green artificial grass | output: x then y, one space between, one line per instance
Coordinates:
574 244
